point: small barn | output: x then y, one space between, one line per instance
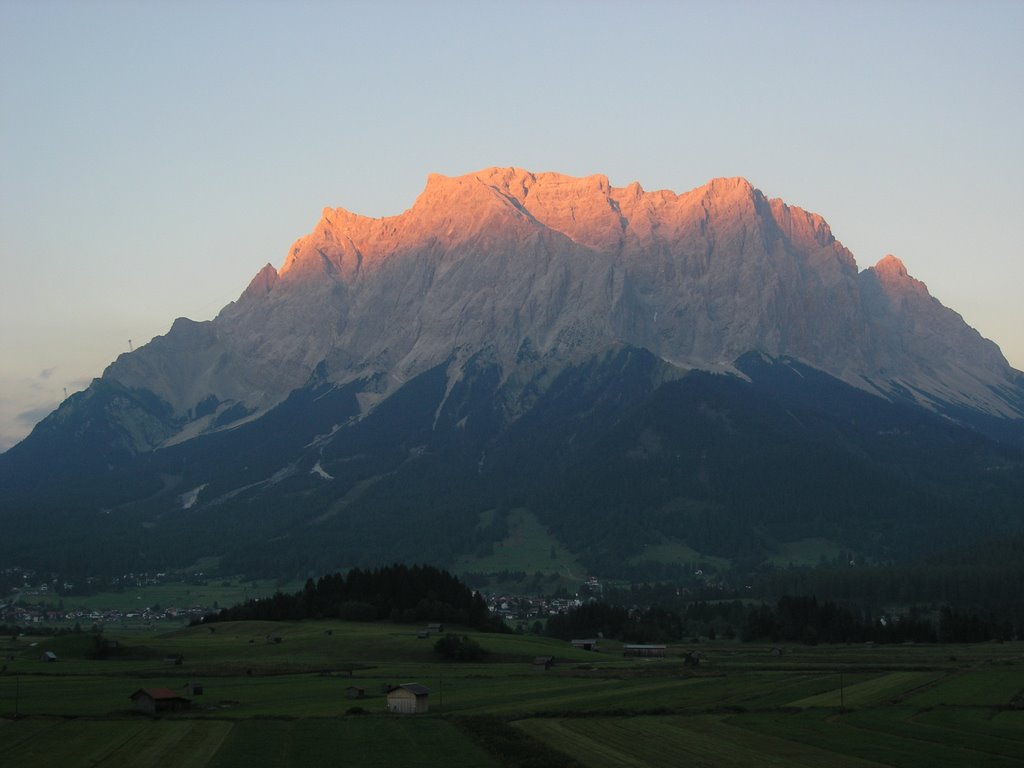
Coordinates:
48 656
153 701
587 644
194 689
409 699
174 659
355 692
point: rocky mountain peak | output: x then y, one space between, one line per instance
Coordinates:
896 282
261 284
505 259
891 268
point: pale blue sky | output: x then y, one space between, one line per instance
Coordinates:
153 156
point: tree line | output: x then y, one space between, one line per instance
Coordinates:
399 593
792 619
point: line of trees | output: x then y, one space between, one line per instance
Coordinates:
653 625
804 619
793 619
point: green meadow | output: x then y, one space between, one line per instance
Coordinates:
283 702
529 548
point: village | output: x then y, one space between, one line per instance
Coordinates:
33 599
29 598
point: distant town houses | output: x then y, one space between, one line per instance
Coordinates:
35 613
515 607
29 597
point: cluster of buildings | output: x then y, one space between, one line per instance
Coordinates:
35 584
28 597
518 608
26 614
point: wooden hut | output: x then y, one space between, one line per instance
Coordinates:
153 701
409 699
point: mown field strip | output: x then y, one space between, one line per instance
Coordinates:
593 751
254 742
660 742
73 743
14 733
869 692
774 750
1007 724
381 742
561 694
994 686
900 721
838 734
182 744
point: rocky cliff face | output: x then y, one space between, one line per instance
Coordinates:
540 270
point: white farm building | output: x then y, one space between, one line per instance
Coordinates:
409 699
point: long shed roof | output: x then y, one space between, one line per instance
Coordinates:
158 694
415 688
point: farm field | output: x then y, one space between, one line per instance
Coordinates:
275 694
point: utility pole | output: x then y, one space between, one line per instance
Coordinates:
842 702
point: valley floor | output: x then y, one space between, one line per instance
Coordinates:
284 703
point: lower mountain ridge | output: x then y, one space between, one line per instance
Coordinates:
614 456
640 371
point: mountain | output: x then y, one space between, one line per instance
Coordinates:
603 356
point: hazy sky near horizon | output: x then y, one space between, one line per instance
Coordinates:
153 156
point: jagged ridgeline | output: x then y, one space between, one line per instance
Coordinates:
646 373
398 593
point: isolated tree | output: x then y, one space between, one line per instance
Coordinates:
459 648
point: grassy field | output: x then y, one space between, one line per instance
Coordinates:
528 548
679 552
284 703
805 552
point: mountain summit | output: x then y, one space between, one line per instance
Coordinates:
555 268
499 302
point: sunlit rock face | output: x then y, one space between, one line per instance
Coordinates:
542 270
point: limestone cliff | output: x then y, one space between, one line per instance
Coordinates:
509 262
